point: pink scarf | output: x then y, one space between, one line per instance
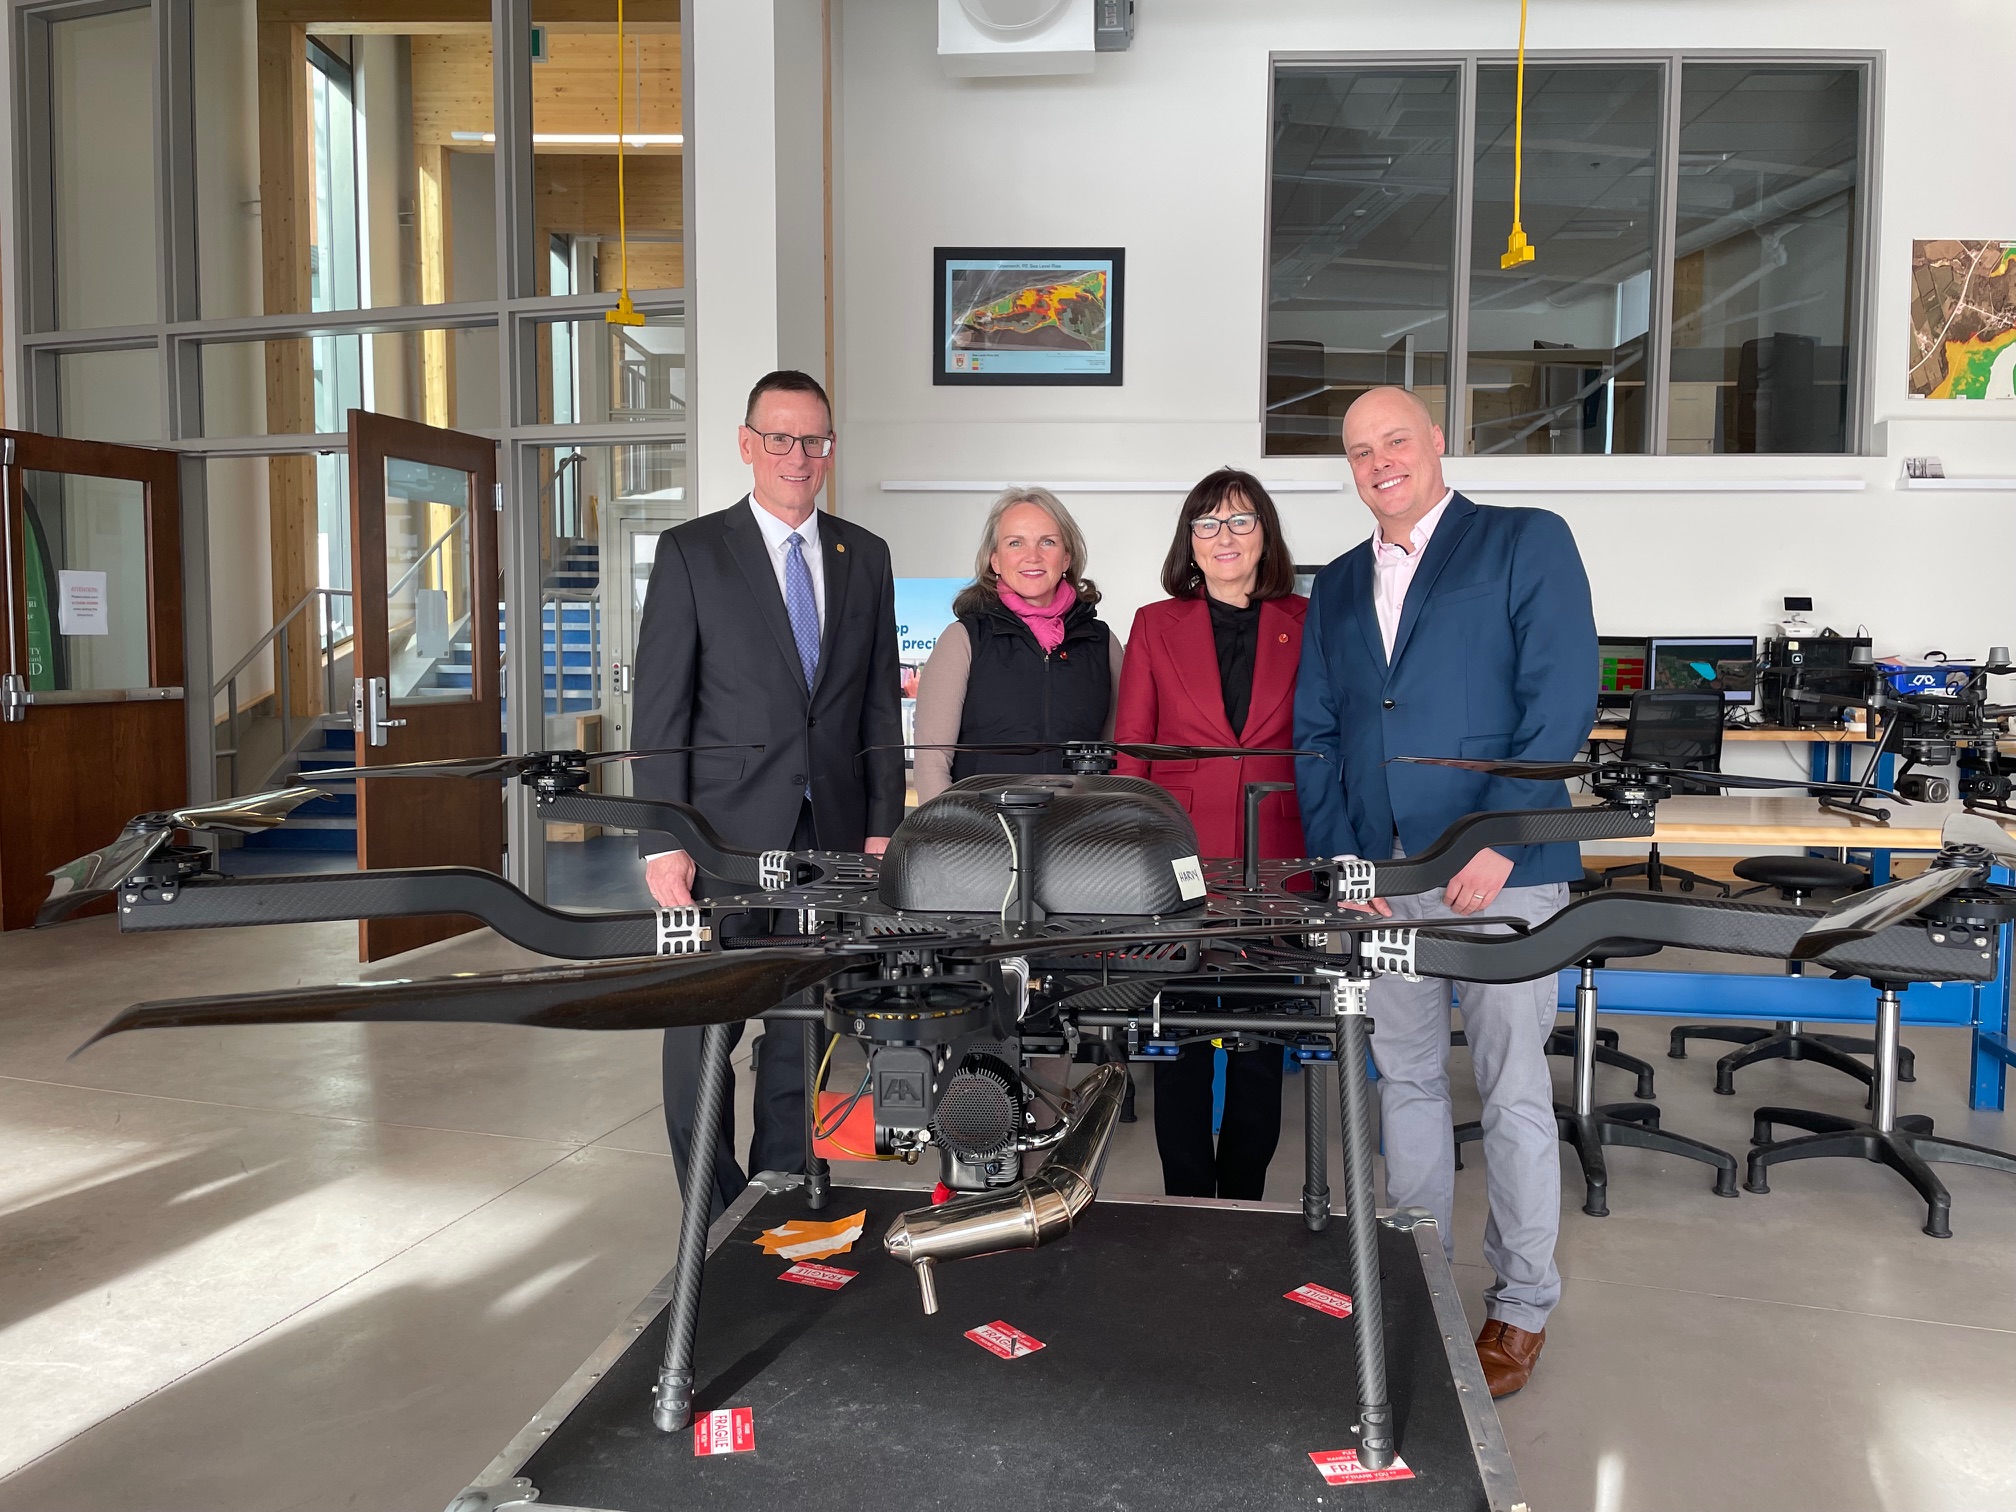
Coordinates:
1045 623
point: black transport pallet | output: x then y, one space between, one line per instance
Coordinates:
1174 1372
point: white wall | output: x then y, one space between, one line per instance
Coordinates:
1163 150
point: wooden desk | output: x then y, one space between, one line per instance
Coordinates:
1757 824
1768 823
1831 735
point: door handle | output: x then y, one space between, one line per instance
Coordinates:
369 703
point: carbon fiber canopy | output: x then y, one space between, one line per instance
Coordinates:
1105 845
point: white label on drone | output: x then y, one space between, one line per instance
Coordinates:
1189 877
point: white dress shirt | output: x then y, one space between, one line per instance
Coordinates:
1393 569
777 536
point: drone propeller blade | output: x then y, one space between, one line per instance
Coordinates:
1979 830
1791 784
507 766
1136 749
99 874
247 815
1537 771
454 766
1141 752
1862 914
678 993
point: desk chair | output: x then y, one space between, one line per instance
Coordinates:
1797 878
1902 1141
1676 729
1588 1127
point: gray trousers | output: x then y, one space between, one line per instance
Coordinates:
1507 1026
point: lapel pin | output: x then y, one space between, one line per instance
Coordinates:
1284 640
842 546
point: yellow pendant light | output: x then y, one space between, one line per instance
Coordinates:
1518 250
625 313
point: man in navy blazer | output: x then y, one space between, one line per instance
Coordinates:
1457 630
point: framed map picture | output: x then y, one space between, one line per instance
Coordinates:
1048 315
1963 320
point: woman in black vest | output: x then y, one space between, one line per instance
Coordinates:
1029 659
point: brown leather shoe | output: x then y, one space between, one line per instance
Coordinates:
1508 1355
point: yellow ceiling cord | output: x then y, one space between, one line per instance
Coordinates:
625 313
1517 249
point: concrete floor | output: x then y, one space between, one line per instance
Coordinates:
337 1267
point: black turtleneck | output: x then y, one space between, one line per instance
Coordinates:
1236 633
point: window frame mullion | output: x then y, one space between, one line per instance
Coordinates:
1462 220
1665 238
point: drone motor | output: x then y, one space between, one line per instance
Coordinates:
980 1111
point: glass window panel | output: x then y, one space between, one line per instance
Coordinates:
1557 345
386 194
86 568
1358 248
574 119
592 372
101 161
309 385
1764 266
428 597
109 396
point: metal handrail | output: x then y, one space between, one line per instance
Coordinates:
461 519
280 638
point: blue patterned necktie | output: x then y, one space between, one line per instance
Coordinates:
802 606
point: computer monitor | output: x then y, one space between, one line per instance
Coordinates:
1725 664
1621 659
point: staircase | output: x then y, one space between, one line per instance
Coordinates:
326 824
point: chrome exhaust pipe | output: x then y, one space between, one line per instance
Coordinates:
1027 1215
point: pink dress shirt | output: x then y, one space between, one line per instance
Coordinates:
1393 569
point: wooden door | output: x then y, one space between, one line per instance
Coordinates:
423 543
92 707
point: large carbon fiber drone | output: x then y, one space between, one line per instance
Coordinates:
1012 918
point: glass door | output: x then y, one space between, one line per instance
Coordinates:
423 539
92 721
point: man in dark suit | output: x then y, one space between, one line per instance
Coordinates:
768 624
1457 630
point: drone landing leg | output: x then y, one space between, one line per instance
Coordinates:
1368 1313
672 1401
818 1175
1315 1148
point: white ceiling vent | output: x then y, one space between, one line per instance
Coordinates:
986 38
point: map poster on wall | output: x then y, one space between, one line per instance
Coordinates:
1963 320
1047 315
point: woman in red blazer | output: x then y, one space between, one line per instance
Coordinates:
1214 664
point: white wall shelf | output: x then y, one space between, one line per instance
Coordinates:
1657 485
1977 485
1285 485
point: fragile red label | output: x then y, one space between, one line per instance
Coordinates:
1004 1340
1340 1467
727 1430
1324 1300
825 1277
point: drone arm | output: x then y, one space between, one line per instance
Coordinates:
199 903
1433 868
687 828
1903 952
